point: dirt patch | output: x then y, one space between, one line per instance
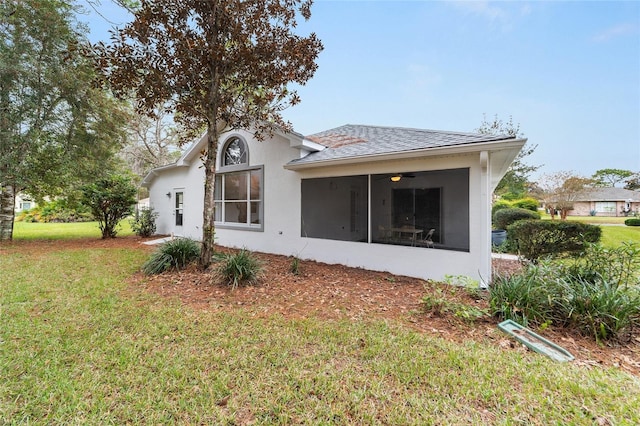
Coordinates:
336 292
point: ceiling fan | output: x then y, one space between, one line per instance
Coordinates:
396 177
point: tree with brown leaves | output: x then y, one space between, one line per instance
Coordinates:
219 64
561 189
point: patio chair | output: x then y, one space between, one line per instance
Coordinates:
385 234
428 238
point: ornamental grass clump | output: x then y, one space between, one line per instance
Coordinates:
598 294
174 254
601 309
241 268
520 298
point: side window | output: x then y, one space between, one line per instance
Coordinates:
238 198
179 208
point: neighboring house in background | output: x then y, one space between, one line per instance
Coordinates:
142 204
23 202
606 202
362 196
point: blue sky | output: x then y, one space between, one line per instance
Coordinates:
567 72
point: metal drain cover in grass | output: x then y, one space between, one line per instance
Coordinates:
535 342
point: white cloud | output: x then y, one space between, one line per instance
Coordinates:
619 30
501 15
525 9
482 8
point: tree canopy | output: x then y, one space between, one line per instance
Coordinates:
151 142
516 180
57 128
218 65
633 182
610 177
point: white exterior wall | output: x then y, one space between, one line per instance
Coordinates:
19 203
282 212
190 181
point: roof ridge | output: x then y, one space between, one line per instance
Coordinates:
416 129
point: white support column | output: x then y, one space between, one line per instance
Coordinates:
369 231
485 219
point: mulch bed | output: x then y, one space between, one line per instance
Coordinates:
336 292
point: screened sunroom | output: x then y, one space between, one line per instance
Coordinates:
421 209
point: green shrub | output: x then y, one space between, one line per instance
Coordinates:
110 199
537 238
505 217
634 221
239 268
173 254
56 211
619 266
527 204
550 293
500 205
144 224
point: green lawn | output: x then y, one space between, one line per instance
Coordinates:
596 220
81 344
612 236
53 231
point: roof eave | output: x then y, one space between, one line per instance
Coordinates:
156 171
423 152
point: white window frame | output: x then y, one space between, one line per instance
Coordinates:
605 206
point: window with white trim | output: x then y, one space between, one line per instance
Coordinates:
605 206
238 188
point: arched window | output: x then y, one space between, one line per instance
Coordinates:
234 153
238 188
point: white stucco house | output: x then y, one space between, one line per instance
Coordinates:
23 202
407 201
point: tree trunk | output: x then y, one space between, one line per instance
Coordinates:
7 212
208 222
563 213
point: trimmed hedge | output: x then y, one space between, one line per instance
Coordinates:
526 203
500 205
537 238
505 217
634 221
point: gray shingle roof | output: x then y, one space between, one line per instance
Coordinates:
352 140
608 194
